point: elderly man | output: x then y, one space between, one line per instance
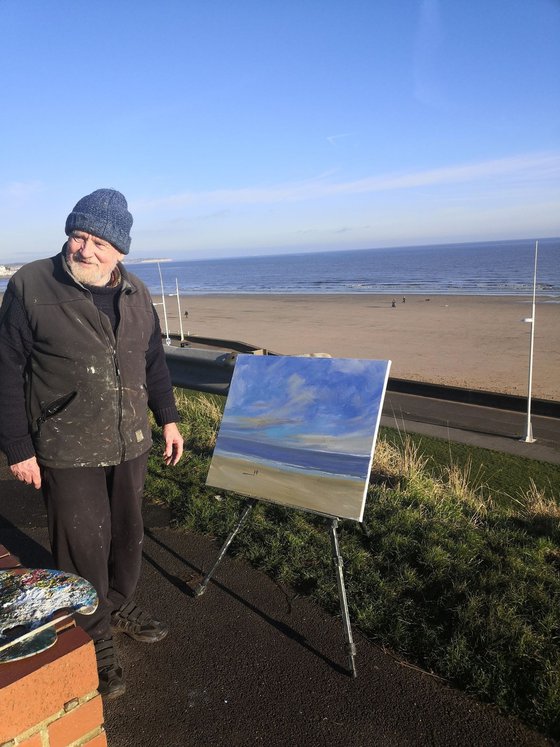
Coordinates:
81 360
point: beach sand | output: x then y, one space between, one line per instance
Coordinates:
478 342
334 496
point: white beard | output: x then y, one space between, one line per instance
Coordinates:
90 274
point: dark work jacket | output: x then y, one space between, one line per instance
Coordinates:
86 391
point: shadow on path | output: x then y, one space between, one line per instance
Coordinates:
181 584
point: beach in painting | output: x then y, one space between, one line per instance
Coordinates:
319 493
301 432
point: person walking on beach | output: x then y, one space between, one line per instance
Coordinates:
81 360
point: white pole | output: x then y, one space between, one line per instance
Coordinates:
179 310
529 428
167 338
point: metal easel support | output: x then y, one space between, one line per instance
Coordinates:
338 565
201 588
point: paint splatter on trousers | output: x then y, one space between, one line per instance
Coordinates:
96 531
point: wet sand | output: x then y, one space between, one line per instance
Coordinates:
334 496
468 341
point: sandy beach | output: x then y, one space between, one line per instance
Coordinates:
469 341
479 342
331 495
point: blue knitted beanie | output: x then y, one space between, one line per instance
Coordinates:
104 213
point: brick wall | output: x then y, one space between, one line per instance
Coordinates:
51 699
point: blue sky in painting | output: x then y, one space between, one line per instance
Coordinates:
323 404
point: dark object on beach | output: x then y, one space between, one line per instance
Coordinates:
394 304
186 313
404 299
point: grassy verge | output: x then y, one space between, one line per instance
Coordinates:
503 476
455 567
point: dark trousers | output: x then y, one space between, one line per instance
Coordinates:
96 531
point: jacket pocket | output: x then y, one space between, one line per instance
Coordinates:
54 408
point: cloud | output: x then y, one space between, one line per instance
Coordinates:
521 169
299 392
357 366
358 442
333 139
19 191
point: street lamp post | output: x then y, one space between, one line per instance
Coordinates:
167 338
528 438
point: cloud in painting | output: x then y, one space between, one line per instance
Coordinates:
327 404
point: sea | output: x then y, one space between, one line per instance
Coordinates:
312 461
481 268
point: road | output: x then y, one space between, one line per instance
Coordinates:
208 369
487 427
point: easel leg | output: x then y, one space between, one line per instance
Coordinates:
201 588
337 561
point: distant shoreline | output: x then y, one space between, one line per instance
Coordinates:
146 261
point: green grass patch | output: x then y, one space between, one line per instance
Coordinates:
502 475
456 564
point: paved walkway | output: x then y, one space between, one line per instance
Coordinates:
250 664
489 428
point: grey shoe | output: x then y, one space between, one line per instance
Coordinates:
130 619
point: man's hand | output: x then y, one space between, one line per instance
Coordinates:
27 471
173 444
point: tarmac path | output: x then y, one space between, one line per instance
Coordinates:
250 664
476 425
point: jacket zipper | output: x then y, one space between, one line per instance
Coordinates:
119 415
118 373
113 349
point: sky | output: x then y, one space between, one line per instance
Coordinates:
318 404
258 127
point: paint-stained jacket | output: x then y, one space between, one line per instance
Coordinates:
86 394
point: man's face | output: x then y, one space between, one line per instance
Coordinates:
91 260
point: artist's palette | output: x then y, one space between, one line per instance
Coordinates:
29 601
35 644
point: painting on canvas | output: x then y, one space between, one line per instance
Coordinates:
301 432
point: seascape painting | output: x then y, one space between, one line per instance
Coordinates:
301 431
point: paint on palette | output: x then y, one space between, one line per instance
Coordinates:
29 598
